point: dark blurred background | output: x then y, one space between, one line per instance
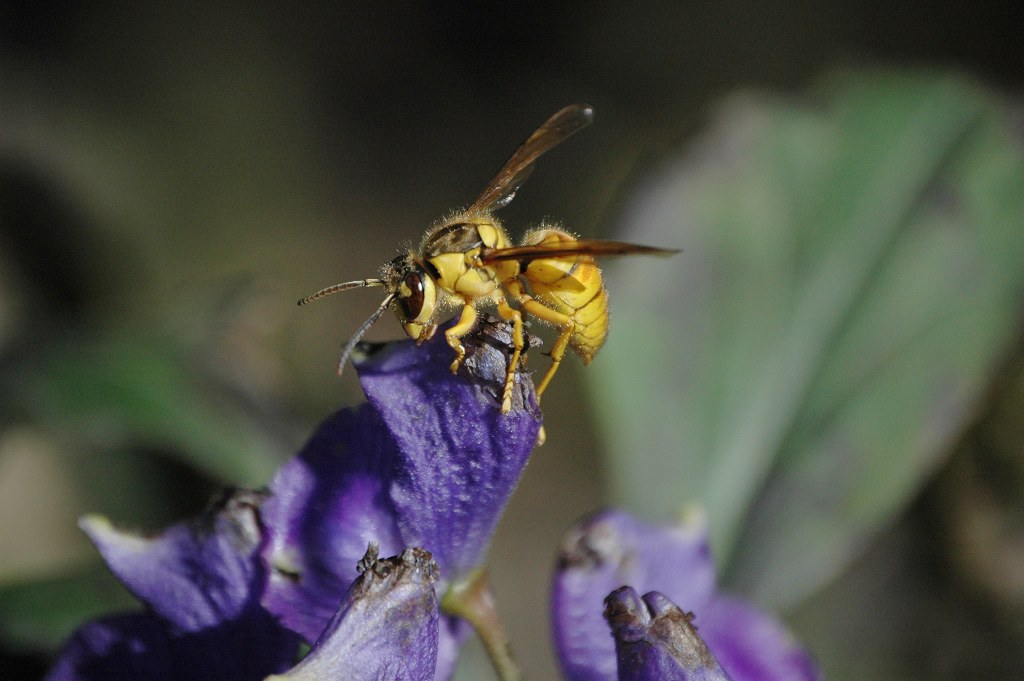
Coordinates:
173 176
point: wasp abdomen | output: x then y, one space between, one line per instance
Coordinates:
572 286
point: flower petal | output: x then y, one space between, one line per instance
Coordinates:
385 628
139 646
452 632
202 580
196 574
656 641
752 645
116 648
606 551
461 457
326 505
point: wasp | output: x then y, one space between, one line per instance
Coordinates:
467 259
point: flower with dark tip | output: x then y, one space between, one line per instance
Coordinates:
385 628
656 641
613 549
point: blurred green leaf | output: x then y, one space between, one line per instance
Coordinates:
41 614
146 389
853 269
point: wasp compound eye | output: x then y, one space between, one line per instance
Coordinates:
411 295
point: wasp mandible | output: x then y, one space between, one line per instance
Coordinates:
467 260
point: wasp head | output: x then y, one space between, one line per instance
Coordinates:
415 292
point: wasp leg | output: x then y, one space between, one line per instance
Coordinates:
557 353
565 324
465 324
511 314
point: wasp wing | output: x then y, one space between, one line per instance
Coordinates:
502 187
594 247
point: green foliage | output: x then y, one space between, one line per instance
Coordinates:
853 271
41 614
143 388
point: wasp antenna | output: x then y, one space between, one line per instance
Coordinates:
361 331
337 288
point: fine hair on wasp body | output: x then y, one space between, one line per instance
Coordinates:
467 260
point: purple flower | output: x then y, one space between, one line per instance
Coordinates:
428 461
612 549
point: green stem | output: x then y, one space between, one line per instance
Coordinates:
471 599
